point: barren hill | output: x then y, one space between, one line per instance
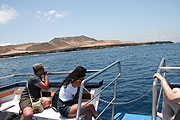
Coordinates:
55 44
65 44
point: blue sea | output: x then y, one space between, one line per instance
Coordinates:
138 64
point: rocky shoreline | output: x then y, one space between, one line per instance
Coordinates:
84 48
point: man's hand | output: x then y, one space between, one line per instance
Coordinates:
158 76
45 73
70 71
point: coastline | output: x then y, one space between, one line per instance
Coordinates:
84 48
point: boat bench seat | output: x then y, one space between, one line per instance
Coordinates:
175 83
49 113
10 106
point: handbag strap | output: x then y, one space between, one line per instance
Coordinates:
29 93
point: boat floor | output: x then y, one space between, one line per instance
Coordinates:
47 114
126 116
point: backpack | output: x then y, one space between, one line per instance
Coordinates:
9 116
55 99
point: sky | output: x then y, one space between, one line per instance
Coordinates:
27 21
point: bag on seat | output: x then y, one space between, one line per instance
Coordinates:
55 99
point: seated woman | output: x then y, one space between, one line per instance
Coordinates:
171 100
67 102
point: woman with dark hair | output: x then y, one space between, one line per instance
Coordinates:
67 102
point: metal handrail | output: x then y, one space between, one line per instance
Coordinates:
170 68
154 92
91 77
49 73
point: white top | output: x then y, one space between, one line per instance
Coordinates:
67 93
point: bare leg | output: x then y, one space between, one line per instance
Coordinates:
160 115
88 107
88 115
28 113
169 109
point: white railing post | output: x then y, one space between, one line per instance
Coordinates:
115 91
80 99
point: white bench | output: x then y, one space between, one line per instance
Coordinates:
50 114
10 106
47 114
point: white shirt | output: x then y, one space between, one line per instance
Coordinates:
67 93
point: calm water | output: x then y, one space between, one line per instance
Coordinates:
138 64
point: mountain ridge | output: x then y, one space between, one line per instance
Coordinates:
66 44
54 44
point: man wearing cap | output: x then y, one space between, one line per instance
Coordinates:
35 84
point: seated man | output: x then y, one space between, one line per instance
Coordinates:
33 89
171 100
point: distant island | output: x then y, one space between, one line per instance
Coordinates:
67 44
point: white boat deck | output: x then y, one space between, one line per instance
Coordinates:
11 104
47 114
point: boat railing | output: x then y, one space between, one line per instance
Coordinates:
155 102
93 76
49 73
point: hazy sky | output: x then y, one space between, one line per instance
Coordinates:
24 21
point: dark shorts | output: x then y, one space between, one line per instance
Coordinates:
25 102
63 108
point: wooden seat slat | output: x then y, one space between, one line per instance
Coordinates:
6 93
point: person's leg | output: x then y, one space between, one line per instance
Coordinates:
88 115
88 107
46 102
169 109
175 90
160 115
167 112
25 106
28 113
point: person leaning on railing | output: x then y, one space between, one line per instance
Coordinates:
35 84
171 100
